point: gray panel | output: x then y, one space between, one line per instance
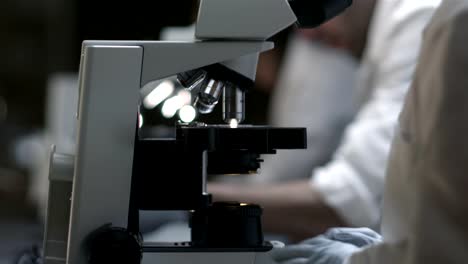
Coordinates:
245 65
166 58
109 83
243 19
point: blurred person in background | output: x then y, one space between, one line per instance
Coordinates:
385 35
308 94
22 80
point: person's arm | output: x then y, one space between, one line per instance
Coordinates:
293 208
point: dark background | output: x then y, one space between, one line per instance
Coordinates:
42 37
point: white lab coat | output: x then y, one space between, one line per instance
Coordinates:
352 183
426 199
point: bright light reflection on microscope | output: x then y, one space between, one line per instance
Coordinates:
173 104
140 121
159 94
187 114
233 123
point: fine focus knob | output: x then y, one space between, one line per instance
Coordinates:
114 245
227 225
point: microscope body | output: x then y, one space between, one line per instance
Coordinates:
95 194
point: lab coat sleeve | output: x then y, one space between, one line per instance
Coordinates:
442 199
441 129
352 183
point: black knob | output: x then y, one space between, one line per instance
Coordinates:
227 225
114 245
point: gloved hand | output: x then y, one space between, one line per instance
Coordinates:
333 247
32 255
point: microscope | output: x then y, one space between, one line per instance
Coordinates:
96 195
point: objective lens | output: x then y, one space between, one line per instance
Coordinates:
208 96
233 104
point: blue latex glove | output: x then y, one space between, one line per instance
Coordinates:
333 247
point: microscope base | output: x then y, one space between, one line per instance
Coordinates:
207 258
